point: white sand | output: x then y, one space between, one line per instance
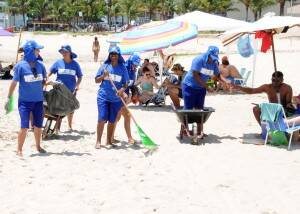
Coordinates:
223 176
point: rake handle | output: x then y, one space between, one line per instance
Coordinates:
125 105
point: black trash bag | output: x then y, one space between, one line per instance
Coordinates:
61 101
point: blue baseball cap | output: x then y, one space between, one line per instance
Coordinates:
213 52
136 59
67 48
114 49
31 44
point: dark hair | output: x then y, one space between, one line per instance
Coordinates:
277 74
96 38
146 60
145 69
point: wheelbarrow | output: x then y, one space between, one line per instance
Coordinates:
193 117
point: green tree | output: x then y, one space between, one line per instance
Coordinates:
129 8
281 6
247 5
20 7
151 6
257 6
39 9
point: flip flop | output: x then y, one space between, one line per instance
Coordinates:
41 150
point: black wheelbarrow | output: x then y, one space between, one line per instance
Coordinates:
194 117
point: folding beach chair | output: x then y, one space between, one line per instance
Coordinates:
245 76
274 115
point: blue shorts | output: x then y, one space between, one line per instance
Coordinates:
193 98
37 110
108 111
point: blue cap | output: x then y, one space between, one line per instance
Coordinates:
67 48
213 52
114 49
136 59
31 44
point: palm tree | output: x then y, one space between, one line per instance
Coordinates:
258 5
182 6
20 6
247 5
39 8
281 6
129 8
151 6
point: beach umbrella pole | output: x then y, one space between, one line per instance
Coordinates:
20 35
273 50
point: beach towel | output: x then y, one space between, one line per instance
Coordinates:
269 112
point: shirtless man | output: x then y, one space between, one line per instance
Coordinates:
228 72
277 91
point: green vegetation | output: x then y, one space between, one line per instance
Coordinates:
89 11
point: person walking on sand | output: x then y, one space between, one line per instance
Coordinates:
30 73
108 99
68 72
96 48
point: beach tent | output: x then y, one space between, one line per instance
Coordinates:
269 24
210 22
153 36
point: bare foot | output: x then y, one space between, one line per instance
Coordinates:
41 150
133 142
98 146
19 153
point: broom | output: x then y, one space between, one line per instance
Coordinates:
146 140
11 98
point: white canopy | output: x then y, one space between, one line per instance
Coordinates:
275 23
209 22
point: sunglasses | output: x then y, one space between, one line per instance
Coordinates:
34 72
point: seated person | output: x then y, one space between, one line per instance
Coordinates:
168 60
277 92
294 121
296 101
147 82
149 65
228 72
6 72
174 85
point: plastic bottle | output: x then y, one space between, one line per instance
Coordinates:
195 130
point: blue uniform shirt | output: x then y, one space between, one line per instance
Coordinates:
205 70
119 75
66 73
30 88
131 72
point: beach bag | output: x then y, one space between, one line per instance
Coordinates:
278 138
244 46
61 101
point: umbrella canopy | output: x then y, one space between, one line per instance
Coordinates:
270 24
5 32
153 36
210 22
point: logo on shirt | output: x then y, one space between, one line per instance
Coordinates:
31 78
114 77
207 72
66 71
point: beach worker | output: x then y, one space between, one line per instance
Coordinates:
228 72
277 92
96 48
132 94
108 99
30 73
67 71
194 84
174 84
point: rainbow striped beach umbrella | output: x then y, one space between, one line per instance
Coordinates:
5 32
153 36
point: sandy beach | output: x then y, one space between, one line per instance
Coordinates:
221 176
